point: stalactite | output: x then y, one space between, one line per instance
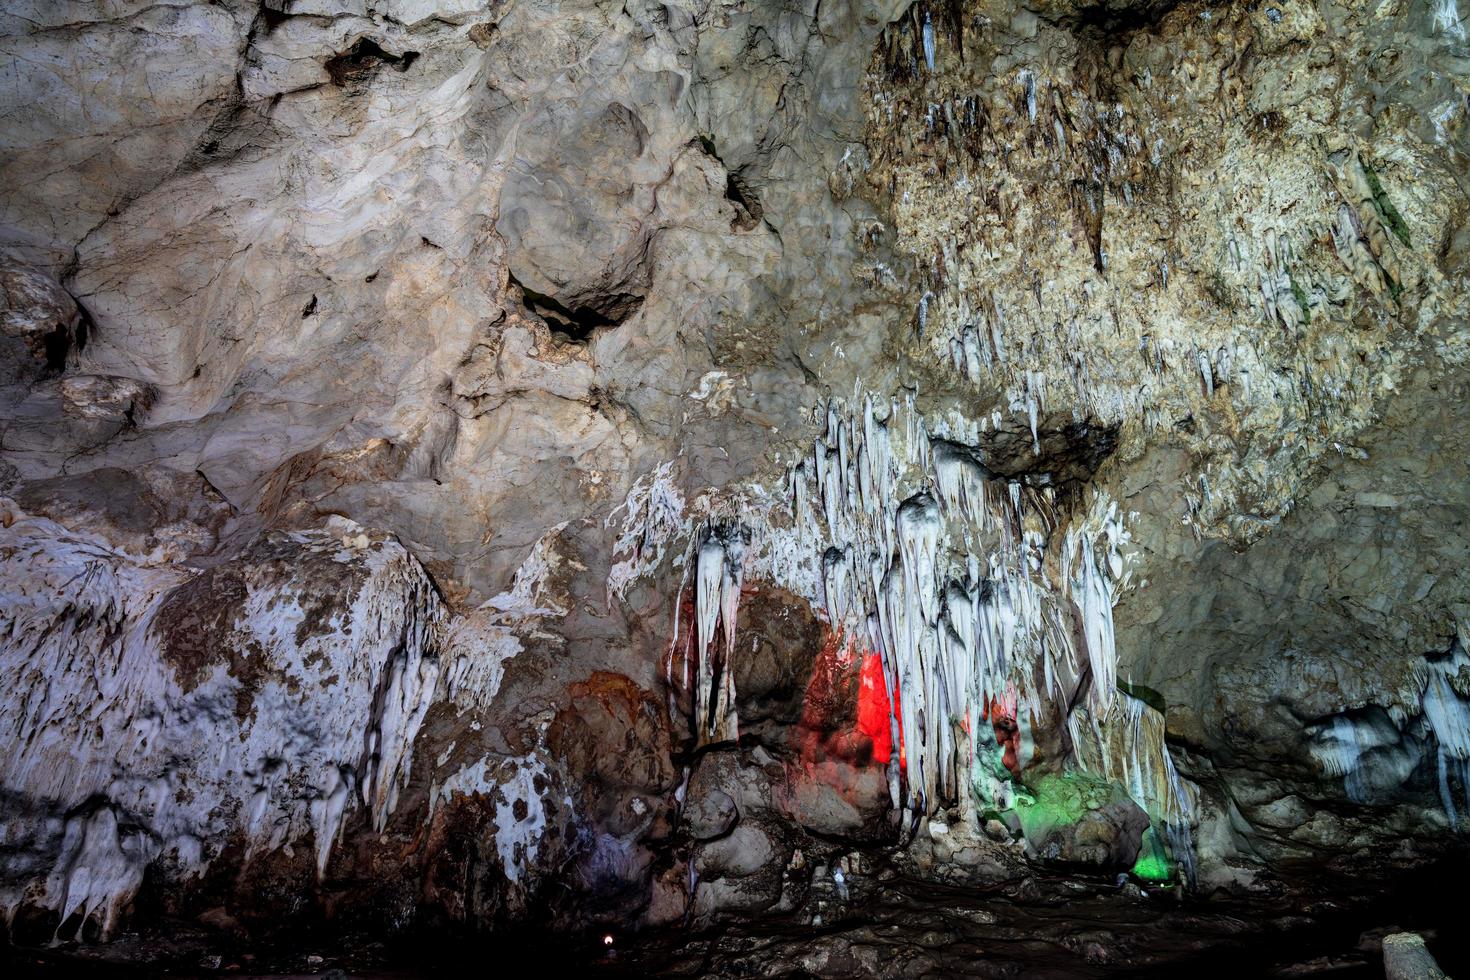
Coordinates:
954 596
928 42
1448 712
124 710
718 578
982 601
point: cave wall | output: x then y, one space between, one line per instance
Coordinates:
493 461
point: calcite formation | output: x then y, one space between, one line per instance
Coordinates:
479 464
163 713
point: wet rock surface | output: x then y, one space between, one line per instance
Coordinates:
865 489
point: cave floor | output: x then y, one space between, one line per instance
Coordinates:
1058 927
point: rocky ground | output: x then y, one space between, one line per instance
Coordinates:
876 488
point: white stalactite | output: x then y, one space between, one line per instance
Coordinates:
980 597
941 568
719 575
1448 714
149 755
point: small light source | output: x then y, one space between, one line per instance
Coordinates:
607 940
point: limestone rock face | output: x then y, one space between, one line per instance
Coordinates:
487 463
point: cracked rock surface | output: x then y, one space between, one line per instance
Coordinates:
761 477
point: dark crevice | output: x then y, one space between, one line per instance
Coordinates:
748 210
58 345
65 337
85 327
310 308
1088 201
902 41
357 64
1069 456
1117 19
238 129
577 323
271 18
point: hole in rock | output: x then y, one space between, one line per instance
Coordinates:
738 191
748 210
1069 456
579 322
59 342
1114 19
357 64
271 18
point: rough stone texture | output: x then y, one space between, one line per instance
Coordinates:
1405 958
373 372
1107 836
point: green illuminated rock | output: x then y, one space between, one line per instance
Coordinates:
1078 820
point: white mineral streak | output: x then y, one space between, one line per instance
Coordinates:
506 782
517 840
1376 752
720 571
1365 749
653 515
1447 709
526 596
1338 746
1028 86
1094 589
138 761
475 652
475 649
1446 15
403 703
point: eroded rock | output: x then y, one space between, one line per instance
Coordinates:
486 464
